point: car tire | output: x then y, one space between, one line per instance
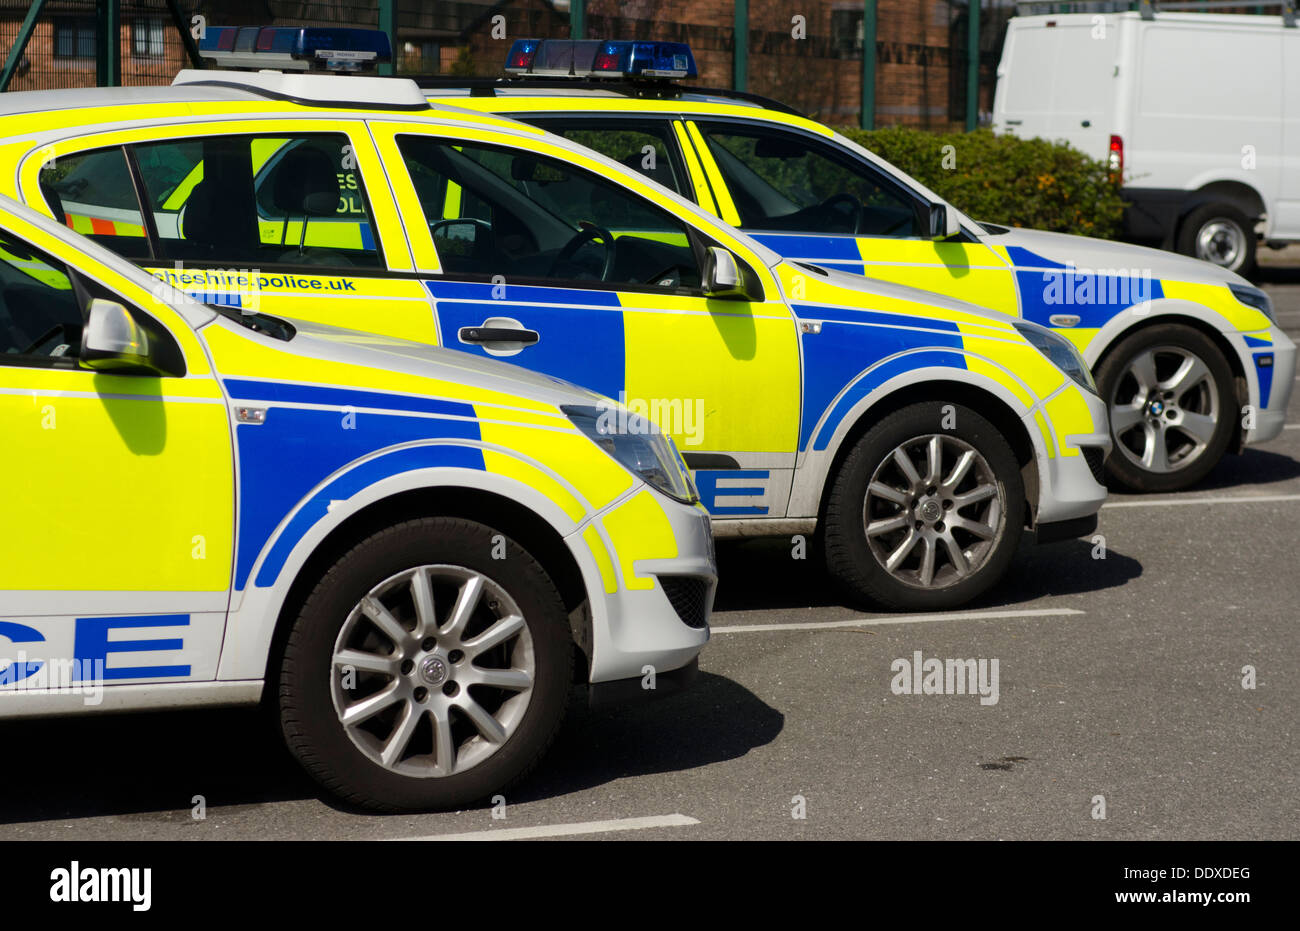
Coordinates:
1219 233
484 717
1155 448
875 510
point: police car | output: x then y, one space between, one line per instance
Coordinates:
1187 355
411 551
918 434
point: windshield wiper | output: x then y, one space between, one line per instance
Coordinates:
273 327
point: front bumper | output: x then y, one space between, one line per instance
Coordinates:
1070 488
656 622
1272 372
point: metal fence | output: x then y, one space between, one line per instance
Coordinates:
807 53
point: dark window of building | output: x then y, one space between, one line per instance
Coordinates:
147 38
74 37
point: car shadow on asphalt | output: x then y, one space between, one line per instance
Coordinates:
150 767
714 720
1252 467
756 575
146 767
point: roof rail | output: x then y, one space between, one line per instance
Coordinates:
653 90
1149 8
314 90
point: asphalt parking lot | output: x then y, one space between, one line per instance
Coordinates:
1118 677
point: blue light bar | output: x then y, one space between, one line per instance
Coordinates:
598 58
645 59
295 48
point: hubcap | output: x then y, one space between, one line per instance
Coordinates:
1164 409
432 671
933 512
1221 242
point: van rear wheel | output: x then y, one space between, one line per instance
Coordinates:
1219 233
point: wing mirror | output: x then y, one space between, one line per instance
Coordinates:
113 341
943 221
723 277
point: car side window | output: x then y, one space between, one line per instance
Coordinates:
646 147
502 211
40 313
259 200
783 182
246 200
92 193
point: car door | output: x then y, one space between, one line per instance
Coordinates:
550 266
292 218
813 201
117 510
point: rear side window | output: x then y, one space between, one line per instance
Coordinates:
642 146
781 181
92 193
248 200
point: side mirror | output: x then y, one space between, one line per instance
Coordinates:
943 221
722 275
113 341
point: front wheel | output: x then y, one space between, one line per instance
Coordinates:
926 510
422 672
1169 391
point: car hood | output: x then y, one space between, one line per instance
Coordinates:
1093 255
876 287
352 347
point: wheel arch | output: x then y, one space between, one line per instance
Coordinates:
509 516
1241 383
980 399
1237 193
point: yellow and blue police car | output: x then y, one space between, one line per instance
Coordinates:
1186 354
919 434
411 551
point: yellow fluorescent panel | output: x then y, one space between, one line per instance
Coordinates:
594 543
116 463
968 271
597 477
742 370
639 530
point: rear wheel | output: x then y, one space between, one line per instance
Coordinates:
926 510
1171 400
1219 233
421 672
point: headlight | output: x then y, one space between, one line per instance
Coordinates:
637 445
1060 352
1253 297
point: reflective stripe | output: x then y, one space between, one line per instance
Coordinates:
702 195
720 192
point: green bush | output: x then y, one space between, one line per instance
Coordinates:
1002 179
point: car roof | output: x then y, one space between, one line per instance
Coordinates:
200 94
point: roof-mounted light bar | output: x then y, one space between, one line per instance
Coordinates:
295 48
599 58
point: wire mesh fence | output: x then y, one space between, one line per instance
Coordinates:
806 53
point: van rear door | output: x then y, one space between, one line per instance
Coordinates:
1057 80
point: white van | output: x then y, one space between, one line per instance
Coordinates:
1198 112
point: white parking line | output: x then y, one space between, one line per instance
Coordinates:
1222 499
567 830
1291 426
894 619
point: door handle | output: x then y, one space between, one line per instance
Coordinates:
497 334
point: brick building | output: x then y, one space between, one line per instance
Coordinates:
807 53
